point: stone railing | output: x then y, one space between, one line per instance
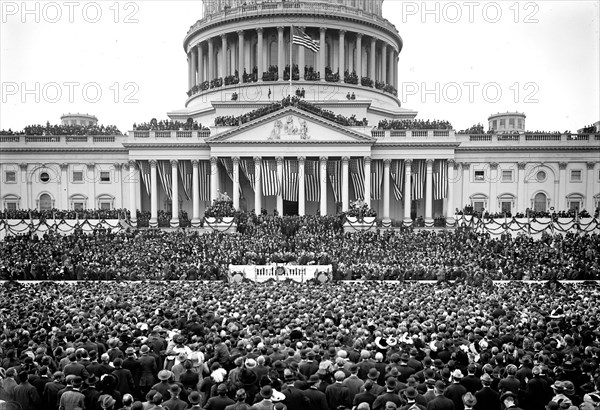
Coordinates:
173 134
531 138
8 141
380 133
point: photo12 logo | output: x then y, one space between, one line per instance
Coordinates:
69 91
468 91
469 11
69 12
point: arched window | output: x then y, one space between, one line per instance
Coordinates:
45 202
479 202
11 202
272 53
540 202
575 202
105 202
506 203
78 202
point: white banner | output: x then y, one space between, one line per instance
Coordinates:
264 273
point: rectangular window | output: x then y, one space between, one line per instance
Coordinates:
105 206
520 122
575 175
574 205
506 207
495 124
501 123
478 206
11 206
104 176
77 176
507 175
78 206
10 176
511 123
479 175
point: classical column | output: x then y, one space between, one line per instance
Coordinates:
345 185
224 72
280 54
372 75
301 59
210 59
25 183
589 198
240 34
119 168
153 195
386 188
301 187
466 169
189 61
200 63
559 202
195 193
359 57
280 177
236 182
522 202
258 189
194 65
174 194
368 181
429 191
493 181
322 54
384 66
133 187
407 190
342 62
259 57
395 69
323 173
450 193
92 186
214 178
64 186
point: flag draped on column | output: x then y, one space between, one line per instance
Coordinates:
186 174
334 171
311 180
376 179
440 180
247 167
418 179
228 165
164 173
144 167
204 180
269 177
357 173
397 174
290 180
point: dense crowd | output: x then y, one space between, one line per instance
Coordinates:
393 254
341 345
65 130
168 125
414 125
474 129
590 129
59 214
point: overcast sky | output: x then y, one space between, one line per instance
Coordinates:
462 61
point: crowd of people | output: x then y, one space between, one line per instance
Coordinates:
58 214
168 125
401 254
61 129
338 346
414 125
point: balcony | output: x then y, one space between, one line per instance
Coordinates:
71 141
531 139
184 136
411 134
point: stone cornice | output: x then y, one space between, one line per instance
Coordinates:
417 144
526 148
66 149
166 145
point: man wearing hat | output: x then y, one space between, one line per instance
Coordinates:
107 402
163 385
430 388
352 382
405 370
175 403
509 399
374 375
295 399
148 368
25 394
471 382
366 395
316 397
440 402
125 383
390 395
266 393
194 399
469 401
240 404
410 393
336 393
538 390
220 401
90 392
309 366
74 398
50 392
456 391
487 398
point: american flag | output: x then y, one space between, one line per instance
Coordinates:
440 180
397 174
376 179
186 173
334 170
204 180
164 173
145 173
357 173
247 166
311 181
302 39
418 179
290 180
228 164
270 180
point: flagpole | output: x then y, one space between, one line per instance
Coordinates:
291 48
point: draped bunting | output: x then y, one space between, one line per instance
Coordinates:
228 165
186 173
204 180
334 171
290 180
164 173
145 174
311 181
440 180
397 173
270 179
376 179
418 179
357 173
247 167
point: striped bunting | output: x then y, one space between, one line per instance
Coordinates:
311 181
164 173
204 180
186 173
145 173
270 180
440 180
397 173
290 180
357 173
418 179
376 179
334 171
247 167
228 165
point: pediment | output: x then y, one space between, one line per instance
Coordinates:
291 125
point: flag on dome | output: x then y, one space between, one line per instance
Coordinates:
302 39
